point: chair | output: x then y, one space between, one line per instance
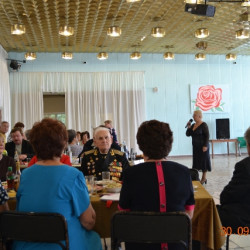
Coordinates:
194 174
150 227
241 144
34 227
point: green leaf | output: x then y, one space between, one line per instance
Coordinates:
219 108
197 108
193 101
222 104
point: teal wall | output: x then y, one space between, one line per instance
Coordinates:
173 79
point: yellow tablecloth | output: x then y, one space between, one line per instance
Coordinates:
206 225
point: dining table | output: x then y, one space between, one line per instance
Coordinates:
206 224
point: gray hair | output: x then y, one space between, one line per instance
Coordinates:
96 130
247 136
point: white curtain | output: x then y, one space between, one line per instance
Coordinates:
90 98
26 98
4 87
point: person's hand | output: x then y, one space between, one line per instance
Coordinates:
22 157
204 149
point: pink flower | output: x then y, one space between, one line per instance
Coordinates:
208 97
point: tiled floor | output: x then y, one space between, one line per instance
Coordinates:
222 170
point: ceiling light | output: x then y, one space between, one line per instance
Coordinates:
242 34
158 32
168 56
30 56
246 3
114 31
193 1
67 55
133 1
202 33
201 45
18 29
230 57
66 31
102 56
135 55
200 56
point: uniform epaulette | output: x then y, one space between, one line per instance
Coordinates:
118 152
89 152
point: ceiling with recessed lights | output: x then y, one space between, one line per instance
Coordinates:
91 19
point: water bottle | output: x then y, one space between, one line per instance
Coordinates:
10 177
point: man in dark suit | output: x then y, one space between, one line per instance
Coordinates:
234 210
23 147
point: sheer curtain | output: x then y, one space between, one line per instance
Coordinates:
26 98
90 98
96 97
4 87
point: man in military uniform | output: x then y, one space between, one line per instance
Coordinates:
103 157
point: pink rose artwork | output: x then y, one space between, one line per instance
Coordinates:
208 97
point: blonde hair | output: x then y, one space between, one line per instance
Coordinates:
198 112
1 135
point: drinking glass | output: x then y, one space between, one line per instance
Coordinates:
106 176
90 181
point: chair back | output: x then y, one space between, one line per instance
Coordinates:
151 227
34 227
242 142
194 174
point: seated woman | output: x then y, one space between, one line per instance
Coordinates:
50 186
5 161
234 210
141 190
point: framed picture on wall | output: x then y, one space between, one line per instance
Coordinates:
210 98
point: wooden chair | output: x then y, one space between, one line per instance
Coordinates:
150 227
34 227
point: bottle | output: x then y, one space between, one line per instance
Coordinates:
70 154
18 171
16 158
18 176
10 177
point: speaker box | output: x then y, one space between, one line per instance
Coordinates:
200 9
222 129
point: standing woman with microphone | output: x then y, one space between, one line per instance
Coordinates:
200 136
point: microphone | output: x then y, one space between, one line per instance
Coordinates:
189 122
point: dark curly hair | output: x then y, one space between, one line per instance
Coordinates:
48 138
155 139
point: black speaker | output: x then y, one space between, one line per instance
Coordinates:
200 9
222 129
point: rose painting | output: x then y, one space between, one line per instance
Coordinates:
210 98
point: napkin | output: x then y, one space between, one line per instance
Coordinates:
110 197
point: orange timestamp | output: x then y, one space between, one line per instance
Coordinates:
240 231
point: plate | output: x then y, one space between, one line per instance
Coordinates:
114 190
